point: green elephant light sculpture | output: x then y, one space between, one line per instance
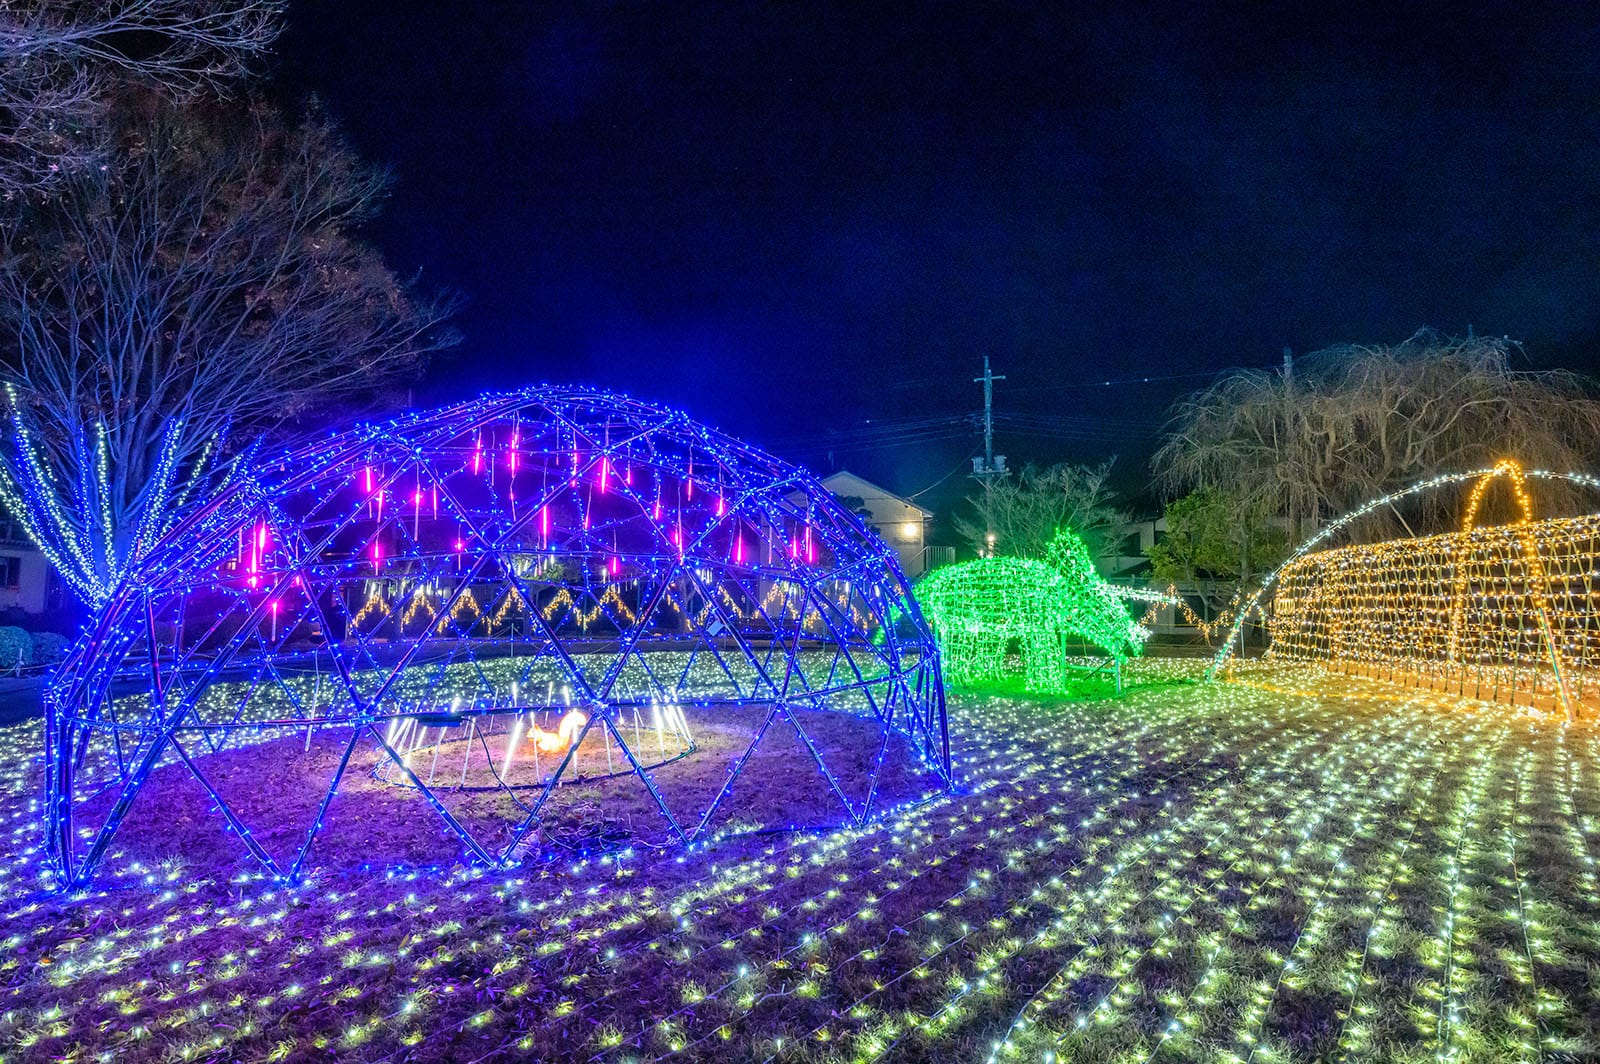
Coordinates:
977 609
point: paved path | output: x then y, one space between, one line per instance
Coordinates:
21 698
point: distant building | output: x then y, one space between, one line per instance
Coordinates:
1127 552
902 523
1127 562
27 582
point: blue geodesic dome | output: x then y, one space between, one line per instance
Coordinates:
539 589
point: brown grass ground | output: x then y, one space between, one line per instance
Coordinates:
1294 867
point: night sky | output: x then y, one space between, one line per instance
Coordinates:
790 220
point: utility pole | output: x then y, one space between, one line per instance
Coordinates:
991 465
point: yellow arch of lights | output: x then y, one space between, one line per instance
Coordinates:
612 597
512 601
1538 579
376 606
465 603
422 600
1170 597
777 595
1525 529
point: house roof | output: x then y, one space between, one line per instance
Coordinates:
833 482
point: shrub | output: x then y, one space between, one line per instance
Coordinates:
16 647
49 647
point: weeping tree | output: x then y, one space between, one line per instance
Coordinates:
203 288
64 62
1355 423
1023 515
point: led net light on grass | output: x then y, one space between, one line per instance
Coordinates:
551 620
1507 613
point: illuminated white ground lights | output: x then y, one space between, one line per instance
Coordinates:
1287 868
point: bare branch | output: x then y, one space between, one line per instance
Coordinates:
62 62
1024 514
1359 422
205 289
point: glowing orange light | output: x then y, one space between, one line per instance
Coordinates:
566 733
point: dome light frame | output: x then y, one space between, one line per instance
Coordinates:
395 576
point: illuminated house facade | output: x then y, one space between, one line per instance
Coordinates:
902 523
26 580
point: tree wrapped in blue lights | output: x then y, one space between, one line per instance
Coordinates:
511 595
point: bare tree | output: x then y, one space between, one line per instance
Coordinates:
1356 423
203 290
1025 513
63 61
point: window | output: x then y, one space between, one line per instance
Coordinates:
10 571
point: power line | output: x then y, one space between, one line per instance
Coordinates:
1136 380
907 431
878 443
1071 421
958 467
854 438
881 427
895 433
